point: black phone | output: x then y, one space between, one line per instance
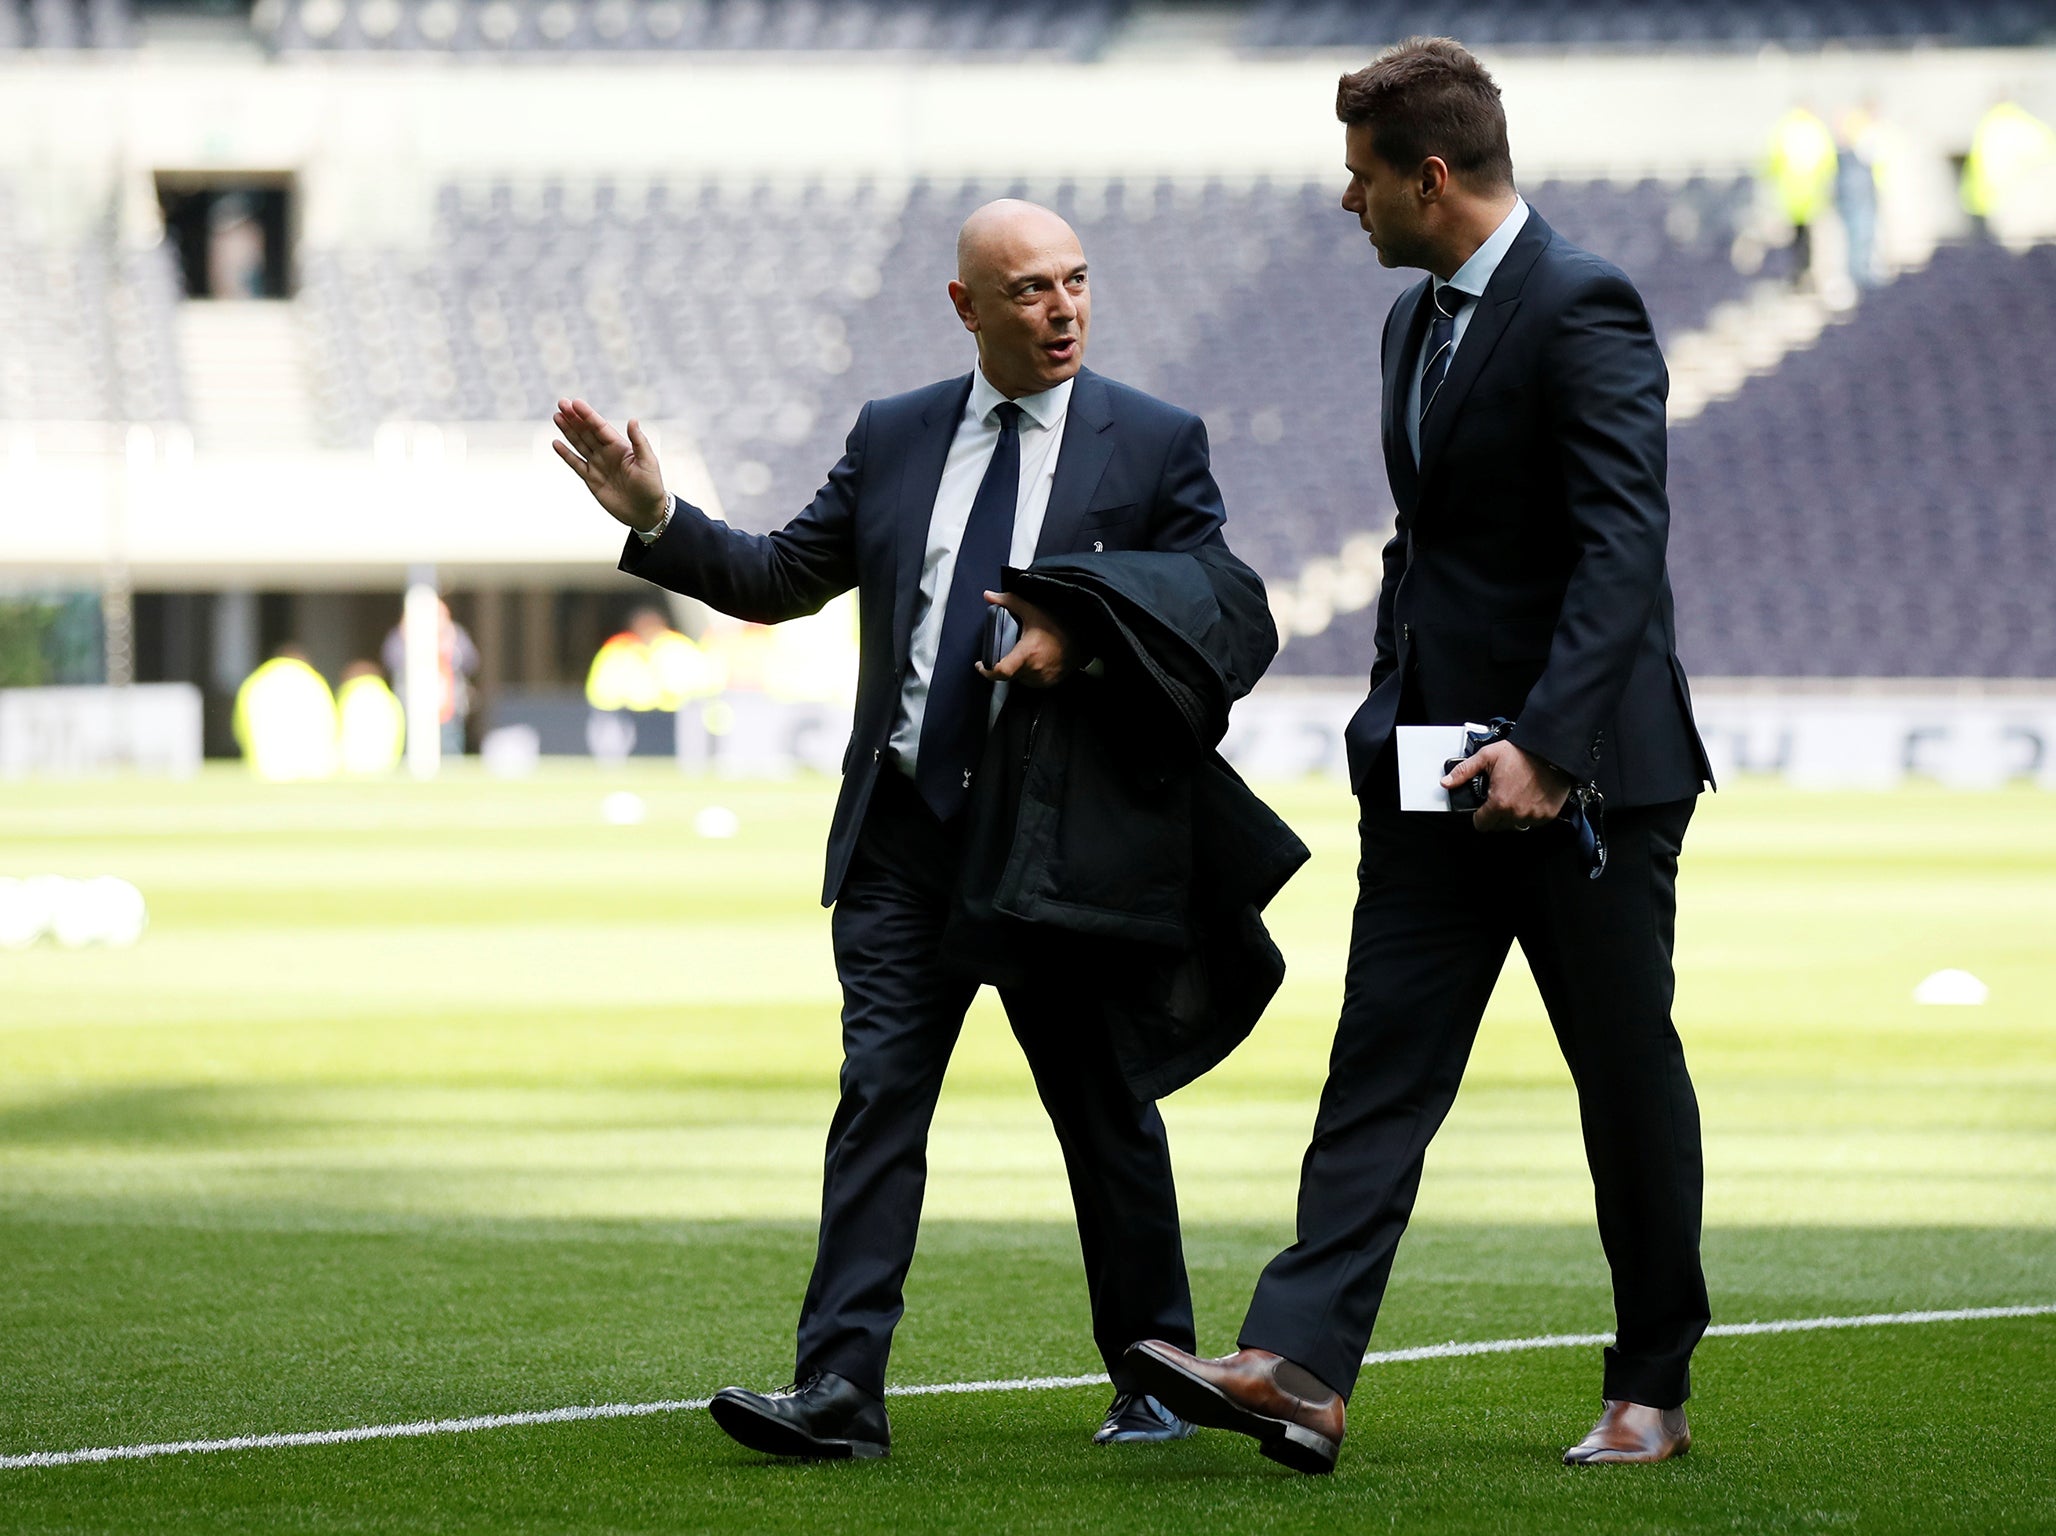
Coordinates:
1002 630
1473 793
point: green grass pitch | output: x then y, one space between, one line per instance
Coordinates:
437 1100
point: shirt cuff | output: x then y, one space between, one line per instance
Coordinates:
656 533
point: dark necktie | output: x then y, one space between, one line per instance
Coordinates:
1441 343
959 700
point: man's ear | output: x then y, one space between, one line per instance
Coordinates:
967 310
1432 180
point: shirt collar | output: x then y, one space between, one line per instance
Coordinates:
1476 274
1045 409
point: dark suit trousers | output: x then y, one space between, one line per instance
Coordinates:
902 1010
1438 906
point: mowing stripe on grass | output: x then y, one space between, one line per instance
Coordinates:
1450 1351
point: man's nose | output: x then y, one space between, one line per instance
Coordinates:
1063 306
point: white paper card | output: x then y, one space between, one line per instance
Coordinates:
1423 749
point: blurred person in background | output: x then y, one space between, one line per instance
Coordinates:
370 720
2009 175
1801 173
1857 174
285 719
235 249
1027 457
650 666
1526 584
456 665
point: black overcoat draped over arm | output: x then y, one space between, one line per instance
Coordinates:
1107 830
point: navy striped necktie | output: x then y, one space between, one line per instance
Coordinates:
1441 342
959 700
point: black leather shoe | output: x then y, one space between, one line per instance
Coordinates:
823 1418
1136 1418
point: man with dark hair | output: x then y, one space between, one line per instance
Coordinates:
1525 584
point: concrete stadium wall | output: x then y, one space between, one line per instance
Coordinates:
488 506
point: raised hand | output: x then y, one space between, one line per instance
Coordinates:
621 472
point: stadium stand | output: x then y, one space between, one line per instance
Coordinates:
1084 30
764 315
1047 27
937 27
89 335
61 25
1879 505
1646 24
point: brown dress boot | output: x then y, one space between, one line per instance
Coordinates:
1295 1418
1631 1432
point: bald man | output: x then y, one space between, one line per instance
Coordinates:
939 489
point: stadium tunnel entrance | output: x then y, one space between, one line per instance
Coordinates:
233 232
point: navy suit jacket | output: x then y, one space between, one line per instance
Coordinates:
1133 473
1527 575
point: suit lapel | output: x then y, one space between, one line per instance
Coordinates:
1400 470
1082 458
1502 297
920 480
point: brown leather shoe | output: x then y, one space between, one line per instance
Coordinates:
1631 1432
1295 1419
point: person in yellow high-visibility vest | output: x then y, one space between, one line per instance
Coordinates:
621 676
1801 170
685 670
371 722
650 665
2011 164
285 719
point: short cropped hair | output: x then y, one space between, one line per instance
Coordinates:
1430 96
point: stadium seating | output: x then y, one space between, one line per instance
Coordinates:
1082 30
1010 27
88 327
1576 24
765 314
1014 27
1876 505
1880 505
59 25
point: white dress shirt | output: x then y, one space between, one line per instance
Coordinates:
1469 278
970 452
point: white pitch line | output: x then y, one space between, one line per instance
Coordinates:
1451 1351
347 1436
1456 1351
